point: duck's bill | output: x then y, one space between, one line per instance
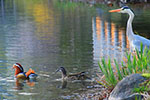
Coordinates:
57 70
116 10
13 67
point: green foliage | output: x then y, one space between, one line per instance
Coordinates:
144 87
108 72
68 5
118 71
140 89
146 75
136 63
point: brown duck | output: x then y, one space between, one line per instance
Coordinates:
71 77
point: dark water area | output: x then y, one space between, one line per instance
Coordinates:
46 34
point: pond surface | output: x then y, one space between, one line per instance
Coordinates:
47 34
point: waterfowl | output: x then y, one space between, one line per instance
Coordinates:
75 76
20 74
135 40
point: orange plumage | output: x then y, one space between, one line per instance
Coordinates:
29 72
20 74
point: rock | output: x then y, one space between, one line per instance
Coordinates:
124 89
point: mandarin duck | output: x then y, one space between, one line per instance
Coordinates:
20 74
71 77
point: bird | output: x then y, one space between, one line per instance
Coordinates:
71 77
20 74
135 40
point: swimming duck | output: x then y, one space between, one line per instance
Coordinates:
75 76
20 74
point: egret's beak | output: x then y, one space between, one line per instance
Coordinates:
116 10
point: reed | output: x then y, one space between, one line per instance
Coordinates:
110 79
139 62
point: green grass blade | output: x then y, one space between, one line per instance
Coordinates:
118 70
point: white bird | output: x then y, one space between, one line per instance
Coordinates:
135 40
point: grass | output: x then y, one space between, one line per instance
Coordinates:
110 79
139 62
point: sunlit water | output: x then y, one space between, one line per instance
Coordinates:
45 35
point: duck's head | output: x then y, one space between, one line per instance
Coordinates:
18 68
124 9
64 72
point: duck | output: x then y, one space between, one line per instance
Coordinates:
20 74
71 77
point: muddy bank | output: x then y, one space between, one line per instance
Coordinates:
96 92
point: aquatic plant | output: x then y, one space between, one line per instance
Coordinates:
137 62
106 68
145 86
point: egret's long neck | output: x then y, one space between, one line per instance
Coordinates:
129 29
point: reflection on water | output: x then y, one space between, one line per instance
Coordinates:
45 35
108 39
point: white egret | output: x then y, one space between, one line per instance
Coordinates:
135 40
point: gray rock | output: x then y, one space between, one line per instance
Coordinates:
124 89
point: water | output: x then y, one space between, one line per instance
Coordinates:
46 34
